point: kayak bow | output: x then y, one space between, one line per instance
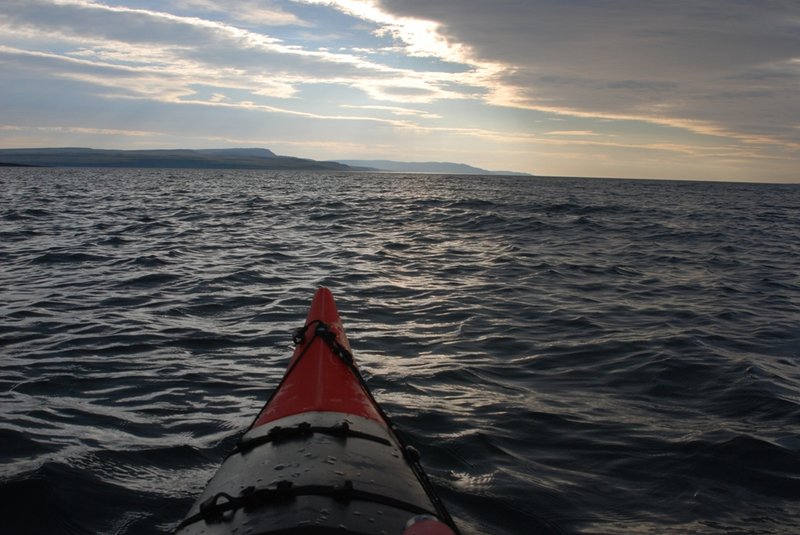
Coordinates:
321 456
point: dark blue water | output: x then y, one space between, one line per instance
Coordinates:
571 356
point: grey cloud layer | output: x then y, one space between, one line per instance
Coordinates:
730 63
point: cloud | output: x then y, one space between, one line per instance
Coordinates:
396 110
172 52
416 36
251 12
572 133
419 36
730 66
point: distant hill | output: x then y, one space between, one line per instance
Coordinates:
179 158
426 167
237 158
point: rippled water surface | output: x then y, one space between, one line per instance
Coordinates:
570 356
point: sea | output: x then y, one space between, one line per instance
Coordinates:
570 356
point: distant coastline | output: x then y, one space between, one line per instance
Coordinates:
428 167
178 159
5 164
235 158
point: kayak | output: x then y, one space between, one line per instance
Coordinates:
321 456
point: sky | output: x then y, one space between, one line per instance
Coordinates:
674 89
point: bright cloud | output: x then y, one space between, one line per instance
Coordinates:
419 37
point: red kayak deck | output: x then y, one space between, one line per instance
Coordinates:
318 379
